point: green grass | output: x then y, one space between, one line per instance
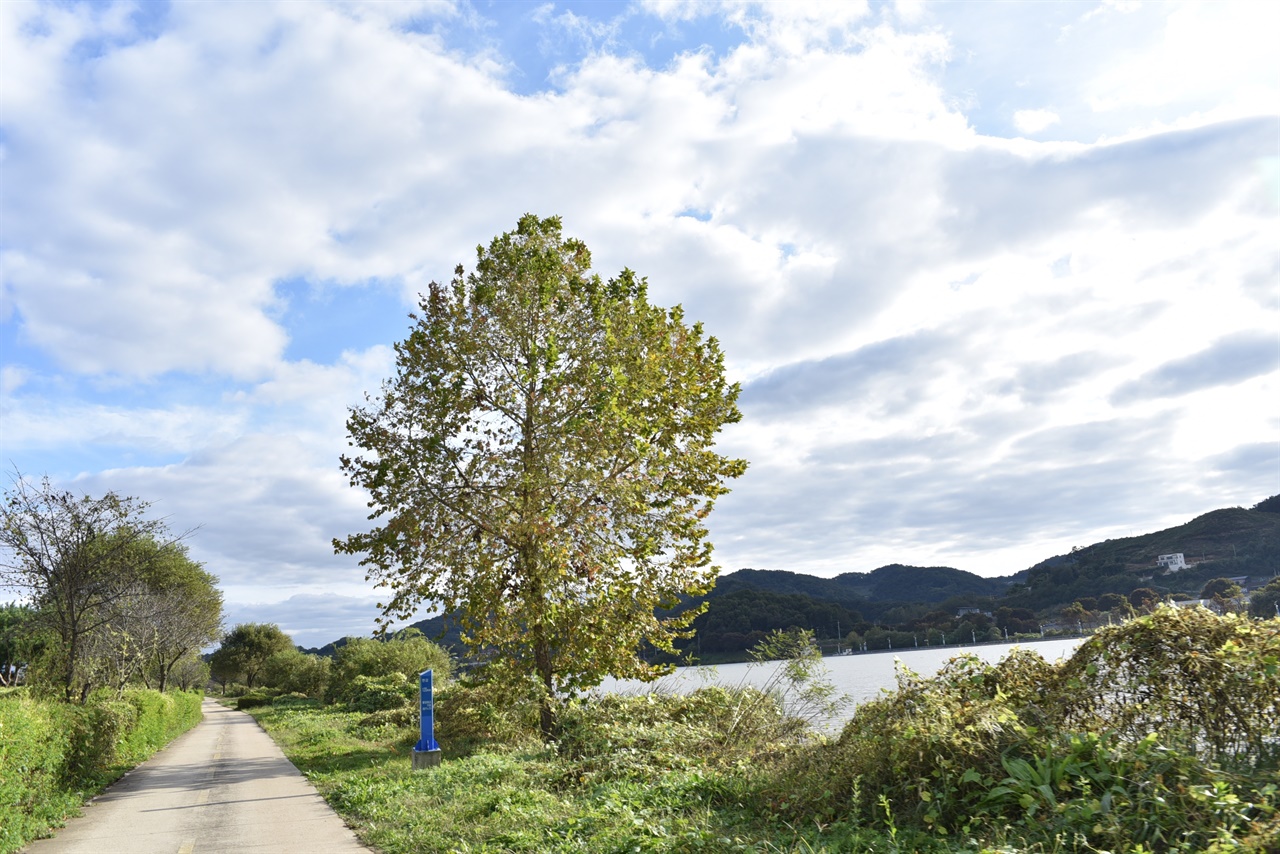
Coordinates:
531 799
1021 756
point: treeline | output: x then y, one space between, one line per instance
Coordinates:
257 662
110 598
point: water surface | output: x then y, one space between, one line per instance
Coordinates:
860 677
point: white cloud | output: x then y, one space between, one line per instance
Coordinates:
1034 121
932 321
1219 54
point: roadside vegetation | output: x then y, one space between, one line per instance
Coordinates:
99 661
55 755
1158 735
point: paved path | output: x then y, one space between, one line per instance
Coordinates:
222 788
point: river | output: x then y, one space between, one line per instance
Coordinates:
860 677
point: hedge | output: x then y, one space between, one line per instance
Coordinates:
54 755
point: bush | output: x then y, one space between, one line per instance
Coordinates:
256 698
403 656
294 700
399 718
471 713
924 751
1206 683
634 736
1122 744
376 693
52 753
33 770
296 672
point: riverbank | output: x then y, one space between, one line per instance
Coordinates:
1019 755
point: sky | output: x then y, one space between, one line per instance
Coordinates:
997 279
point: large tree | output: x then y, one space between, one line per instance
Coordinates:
541 464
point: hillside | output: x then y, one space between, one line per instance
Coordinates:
750 602
892 583
1228 542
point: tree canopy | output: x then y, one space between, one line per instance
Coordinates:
1220 588
245 651
115 597
541 464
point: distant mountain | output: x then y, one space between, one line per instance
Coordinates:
1222 543
1229 542
892 583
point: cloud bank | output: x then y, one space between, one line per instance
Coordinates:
996 280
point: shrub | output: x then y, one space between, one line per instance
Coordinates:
295 700
634 736
376 693
93 732
1206 683
469 713
297 672
1113 794
53 753
923 751
404 656
1121 745
256 698
33 761
399 718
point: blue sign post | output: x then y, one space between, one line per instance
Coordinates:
426 752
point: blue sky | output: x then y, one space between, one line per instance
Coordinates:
997 279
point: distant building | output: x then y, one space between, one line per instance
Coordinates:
1173 562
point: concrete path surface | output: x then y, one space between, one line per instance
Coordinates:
222 788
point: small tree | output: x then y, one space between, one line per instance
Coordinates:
542 463
1115 603
1263 603
1144 599
1225 594
245 651
190 672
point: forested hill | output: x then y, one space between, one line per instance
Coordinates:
892 583
745 604
1222 543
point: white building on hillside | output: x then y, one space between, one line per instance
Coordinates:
1173 562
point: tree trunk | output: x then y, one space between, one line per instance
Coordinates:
542 662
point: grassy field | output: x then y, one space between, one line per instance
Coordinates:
533 798
1020 756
